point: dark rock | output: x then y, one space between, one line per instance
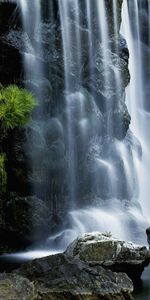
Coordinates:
121 121
7 10
11 62
148 235
56 277
26 220
18 167
11 65
108 96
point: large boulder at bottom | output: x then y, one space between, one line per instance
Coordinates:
56 277
116 255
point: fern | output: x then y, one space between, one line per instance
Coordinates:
16 106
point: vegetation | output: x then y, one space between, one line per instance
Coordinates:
16 106
3 174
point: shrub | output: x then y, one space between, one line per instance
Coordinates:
3 174
16 106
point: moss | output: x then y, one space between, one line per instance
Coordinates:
16 106
3 174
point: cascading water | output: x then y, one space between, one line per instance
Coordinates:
72 52
138 90
82 156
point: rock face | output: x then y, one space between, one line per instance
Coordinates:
25 220
11 64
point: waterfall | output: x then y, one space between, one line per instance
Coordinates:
72 53
137 92
31 17
84 159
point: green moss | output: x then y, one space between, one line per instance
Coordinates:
3 174
16 106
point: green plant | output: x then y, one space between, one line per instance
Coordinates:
16 105
3 174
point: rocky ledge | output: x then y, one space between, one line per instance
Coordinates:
94 266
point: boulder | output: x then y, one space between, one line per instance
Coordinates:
56 277
111 253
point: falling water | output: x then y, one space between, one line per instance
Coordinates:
136 92
72 52
31 16
33 69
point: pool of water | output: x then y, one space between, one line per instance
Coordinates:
143 289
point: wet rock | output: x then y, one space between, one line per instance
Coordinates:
53 130
148 235
18 167
26 220
19 40
111 253
108 95
6 12
56 277
11 67
121 121
11 63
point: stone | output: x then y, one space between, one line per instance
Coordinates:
56 277
108 252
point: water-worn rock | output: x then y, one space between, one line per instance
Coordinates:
111 253
56 277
